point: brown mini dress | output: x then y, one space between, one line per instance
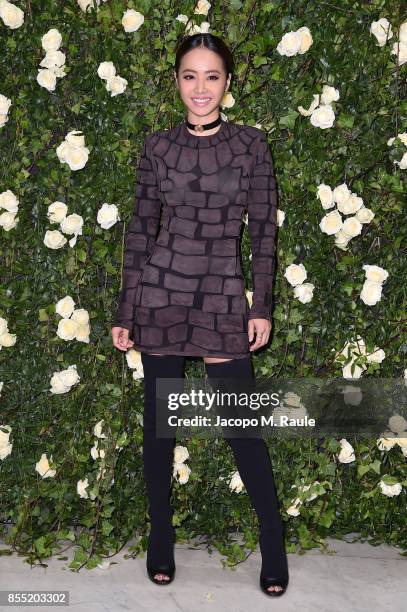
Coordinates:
183 291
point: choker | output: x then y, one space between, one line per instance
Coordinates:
199 127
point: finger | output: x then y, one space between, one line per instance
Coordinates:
250 330
261 339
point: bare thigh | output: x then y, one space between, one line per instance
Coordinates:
215 359
206 359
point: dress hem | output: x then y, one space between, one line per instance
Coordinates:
150 351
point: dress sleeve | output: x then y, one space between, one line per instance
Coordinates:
262 227
140 237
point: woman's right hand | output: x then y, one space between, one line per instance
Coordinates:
120 336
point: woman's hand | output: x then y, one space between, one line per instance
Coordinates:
262 327
120 336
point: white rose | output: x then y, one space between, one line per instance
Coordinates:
59 71
295 274
352 227
46 78
12 16
341 194
280 217
8 221
181 454
236 483
3 120
52 40
346 454
305 38
3 325
390 490
371 292
323 117
53 239
403 32
97 430
291 399
306 112
194 28
351 205
9 201
329 94
5 104
400 49
290 44
133 359
43 468
403 137
76 157
81 487
57 384
386 443
202 7
293 510
72 224
364 215
377 356
325 195
8 339
67 329
85 4
331 223
116 85
106 70
403 162
397 423
53 59
304 292
70 376
182 18
75 138
183 471
57 212
132 20
81 316
377 274
381 30
108 215
341 240
5 441
65 307
82 333
228 100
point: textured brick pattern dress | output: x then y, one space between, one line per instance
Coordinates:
183 291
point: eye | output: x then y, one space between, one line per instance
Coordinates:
213 76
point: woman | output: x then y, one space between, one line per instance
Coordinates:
183 287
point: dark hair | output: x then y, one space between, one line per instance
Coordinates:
210 41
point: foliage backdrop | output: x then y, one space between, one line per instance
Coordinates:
267 90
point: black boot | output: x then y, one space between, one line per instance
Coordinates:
254 465
158 457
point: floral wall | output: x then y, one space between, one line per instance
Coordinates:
82 84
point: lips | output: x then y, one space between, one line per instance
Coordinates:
201 101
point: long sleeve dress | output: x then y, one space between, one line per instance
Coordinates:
183 291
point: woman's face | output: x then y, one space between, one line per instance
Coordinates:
202 75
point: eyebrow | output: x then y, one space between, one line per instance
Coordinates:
190 70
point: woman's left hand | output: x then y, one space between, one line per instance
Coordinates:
262 328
